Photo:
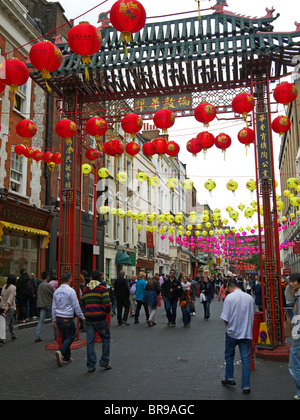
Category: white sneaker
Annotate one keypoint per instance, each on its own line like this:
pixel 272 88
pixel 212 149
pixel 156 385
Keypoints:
pixel 59 359
pixel 296 397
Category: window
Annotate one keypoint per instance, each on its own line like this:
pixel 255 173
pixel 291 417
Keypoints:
pixel 18 174
pixel 91 194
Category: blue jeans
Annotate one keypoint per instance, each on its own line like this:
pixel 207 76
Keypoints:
pixel 67 330
pixel 43 314
pixel 171 308
pixel 206 307
pixel 102 328
pixel 186 314
pixel 139 304
pixel 245 348
pixel 294 364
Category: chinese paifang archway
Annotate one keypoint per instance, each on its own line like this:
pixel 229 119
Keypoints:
pixel 219 55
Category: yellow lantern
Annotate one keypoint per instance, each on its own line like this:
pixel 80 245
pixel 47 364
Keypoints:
pixel 113 211
pixel 253 203
pixel 232 185
pixel 210 185
pixel 121 213
pixel 251 185
pixel 287 193
pixel 122 177
pixel 150 217
pixel 178 218
pixel 228 209
pixel 134 215
pixel 234 214
pixel 161 218
pixel 248 212
pixel 153 181
pixel 103 173
pixel 141 177
pixel 141 215
pixel 241 207
pixel 172 183
pixel 198 226
pixel 170 218
pixel 139 227
pixel 225 221
pixel 197 232
pixel 295 201
pixel 187 184
pixel 192 219
pixel 204 233
pixel 204 218
pixel 86 169
pixel 189 227
pixel 292 183
pixel 104 209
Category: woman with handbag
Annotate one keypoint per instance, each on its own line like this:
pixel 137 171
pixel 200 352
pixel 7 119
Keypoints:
pixel 206 296
pixel 187 300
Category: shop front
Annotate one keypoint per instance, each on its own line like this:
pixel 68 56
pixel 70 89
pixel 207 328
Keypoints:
pixel 24 238
pixel 145 265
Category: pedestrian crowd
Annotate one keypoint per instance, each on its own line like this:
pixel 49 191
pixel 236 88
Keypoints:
pixel 241 297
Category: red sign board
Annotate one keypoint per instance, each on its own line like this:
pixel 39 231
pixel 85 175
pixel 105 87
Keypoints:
pixel 296 249
pixel 150 241
pixel 287 271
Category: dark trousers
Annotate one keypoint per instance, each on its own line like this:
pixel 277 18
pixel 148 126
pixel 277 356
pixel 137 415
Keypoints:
pixel 139 304
pixel 122 302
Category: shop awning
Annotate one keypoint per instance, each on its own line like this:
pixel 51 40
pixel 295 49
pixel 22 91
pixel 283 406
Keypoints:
pixel 123 258
pixel 199 260
pixel 25 229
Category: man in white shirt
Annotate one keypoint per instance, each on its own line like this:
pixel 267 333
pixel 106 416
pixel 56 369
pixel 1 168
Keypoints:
pixel 65 307
pixel 238 314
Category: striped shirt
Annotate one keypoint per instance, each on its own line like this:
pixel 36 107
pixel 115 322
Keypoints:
pixel 95 301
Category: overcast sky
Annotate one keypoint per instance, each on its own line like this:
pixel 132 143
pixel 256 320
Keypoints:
pixel 237 165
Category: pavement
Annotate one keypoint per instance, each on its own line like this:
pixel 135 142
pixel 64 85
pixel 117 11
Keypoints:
pixel 157 363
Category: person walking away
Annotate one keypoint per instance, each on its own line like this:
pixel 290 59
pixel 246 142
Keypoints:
pixel 208 291
pixel 64 305
pixel 294 361
pixel 132 287
pixel 95 304
pixel 152 292
pixel 238 315
pixel 112 297
pixel 122 295
pixel 223 291
pixel 289 298
pixel 24 293
pixel 187 300
pixel 171 290
pixel 139 296
pixel 258 295
pixel 33 309
pixel 8 304
pixel 44 304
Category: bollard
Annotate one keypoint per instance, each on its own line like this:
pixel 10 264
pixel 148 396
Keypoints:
pixel 258 318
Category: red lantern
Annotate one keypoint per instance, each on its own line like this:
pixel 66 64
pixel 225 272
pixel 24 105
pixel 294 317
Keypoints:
pixel 47 157
pixel 205 113
pixel 56 158
pixel 132 149
pixel 149 149
pixel 92 154
pixel 161 145
pixel 172 149
pixel 223 141
pixel 285 93
pixel 45 57
pixel 28 153
pixel 96 127
pixel 113 148
pixel 20 149
pixel 281 125
pixel 15 74
pixel 194 146
pixel 164 119
pixel 246 136
pixel 66 129
pixel 243 104
pixel 128 17
pixel 85 39
pixel 37 155
pixel 132 124
pixel 26 129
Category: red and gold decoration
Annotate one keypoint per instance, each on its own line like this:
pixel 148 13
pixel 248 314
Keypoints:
pixel 172 150
pixel 92 154
pixel 281 125
pixel 26 129
pixel 132 149
pixel 96 127
pixel 246 136
pixel 207 141
pixel 113 148
pixel 285 93
pixel 194 146
pixel 205 113
pixel 66 129
pixel 16 74
pixel 132 124
pixel 223 141
pixel 85 39
pixel 37 155
pixel 47 58
pixel 161 146
pixel 164 119
pixel 127 17
pixel 20 149
pixel 243 104
pixel 149 149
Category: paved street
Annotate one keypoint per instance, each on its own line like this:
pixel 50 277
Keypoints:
pixel 157 363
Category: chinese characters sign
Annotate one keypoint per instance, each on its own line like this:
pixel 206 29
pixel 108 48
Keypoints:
pixel 68 165
pixel 156 103
pixel 263 146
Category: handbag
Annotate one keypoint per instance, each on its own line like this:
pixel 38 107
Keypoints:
pixel 202 297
